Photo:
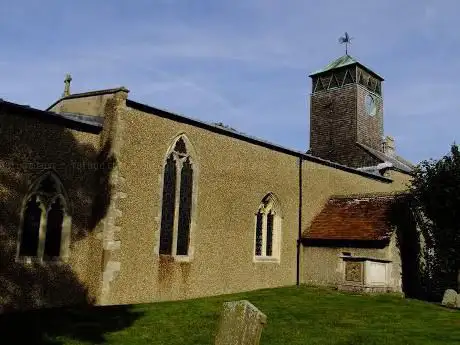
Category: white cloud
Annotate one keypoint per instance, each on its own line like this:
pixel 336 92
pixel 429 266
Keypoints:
pixel 244 63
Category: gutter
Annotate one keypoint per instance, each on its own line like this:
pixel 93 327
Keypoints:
pixel 253 140
pixel 299 236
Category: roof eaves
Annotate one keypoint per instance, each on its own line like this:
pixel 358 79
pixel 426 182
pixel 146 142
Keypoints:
pixel 74 121
pixel 238 135
pixel 397 164
pixel 336 64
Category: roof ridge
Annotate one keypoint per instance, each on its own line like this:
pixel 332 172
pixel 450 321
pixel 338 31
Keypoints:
pixel 89 93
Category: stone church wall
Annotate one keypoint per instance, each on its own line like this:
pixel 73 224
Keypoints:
pixel 89 105
pixel 29 148
pixel 115 259
pixel 232 178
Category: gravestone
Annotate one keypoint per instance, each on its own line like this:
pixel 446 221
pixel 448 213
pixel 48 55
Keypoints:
pixel 457 301
pixel 240 323
pixel 450 298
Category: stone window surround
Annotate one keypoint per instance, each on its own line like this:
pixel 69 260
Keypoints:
pixel 273 205
pixel 191 155
pixel 66 223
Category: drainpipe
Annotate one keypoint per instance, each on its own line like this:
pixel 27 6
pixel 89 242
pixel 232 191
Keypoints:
pixel 300 222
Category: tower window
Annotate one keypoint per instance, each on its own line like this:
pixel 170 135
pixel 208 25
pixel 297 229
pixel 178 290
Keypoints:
pixel 371 107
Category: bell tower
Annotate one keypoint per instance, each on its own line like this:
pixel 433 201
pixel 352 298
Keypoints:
pixel 346 109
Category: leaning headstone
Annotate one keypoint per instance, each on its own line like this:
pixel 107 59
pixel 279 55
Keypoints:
pixel 240 324
pixel 450 298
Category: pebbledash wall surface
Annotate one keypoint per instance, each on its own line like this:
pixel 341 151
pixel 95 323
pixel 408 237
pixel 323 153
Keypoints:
pixel 107 156
pixel 115 259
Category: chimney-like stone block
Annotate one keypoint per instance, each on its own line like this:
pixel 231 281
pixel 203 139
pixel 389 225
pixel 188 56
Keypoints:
pixel 389 146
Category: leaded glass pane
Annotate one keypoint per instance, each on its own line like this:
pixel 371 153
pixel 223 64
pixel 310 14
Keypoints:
pixel 54 222
pixel 269 234
pixel 259 234
pixel 167 212
pixel 185 206
pixel 180 146
pixel 30 228
pixel 48 185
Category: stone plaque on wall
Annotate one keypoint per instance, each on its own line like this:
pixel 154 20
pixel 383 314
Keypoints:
pixel 353 271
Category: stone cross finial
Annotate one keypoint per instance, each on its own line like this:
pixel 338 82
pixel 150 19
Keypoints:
pixel 67 81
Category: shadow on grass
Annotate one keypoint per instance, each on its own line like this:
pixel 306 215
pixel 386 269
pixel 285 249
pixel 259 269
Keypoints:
pixel 56 326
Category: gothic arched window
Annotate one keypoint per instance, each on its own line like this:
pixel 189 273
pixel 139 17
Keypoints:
pixel 177 201
pixel 268 229
pixel 45 224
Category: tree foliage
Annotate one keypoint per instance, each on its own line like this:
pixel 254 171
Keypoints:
pixel 436 192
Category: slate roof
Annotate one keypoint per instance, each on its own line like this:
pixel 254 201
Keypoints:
pixel 81 122
pixel 354 218
pixel 398 162
pixel 239 135
pixel 345 60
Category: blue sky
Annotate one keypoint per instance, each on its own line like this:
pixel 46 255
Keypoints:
pixel 243 62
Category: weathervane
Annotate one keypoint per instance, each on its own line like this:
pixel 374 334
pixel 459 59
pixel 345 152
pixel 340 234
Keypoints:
pixel 346 39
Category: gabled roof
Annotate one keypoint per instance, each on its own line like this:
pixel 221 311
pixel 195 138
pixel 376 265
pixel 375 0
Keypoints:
pixel 353 218
pixel 398 162
pixel 345 60
pixel 90 94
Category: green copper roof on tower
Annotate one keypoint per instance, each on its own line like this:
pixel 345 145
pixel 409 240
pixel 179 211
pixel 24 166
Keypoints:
pixel 337 63
pixel 343 61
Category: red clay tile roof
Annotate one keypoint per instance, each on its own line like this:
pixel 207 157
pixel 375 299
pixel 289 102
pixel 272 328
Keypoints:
pixel 353 218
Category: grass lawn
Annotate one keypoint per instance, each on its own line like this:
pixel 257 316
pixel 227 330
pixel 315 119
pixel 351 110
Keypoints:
pixel 296 315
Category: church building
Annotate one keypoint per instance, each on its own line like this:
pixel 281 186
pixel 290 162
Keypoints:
pixel 107 200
